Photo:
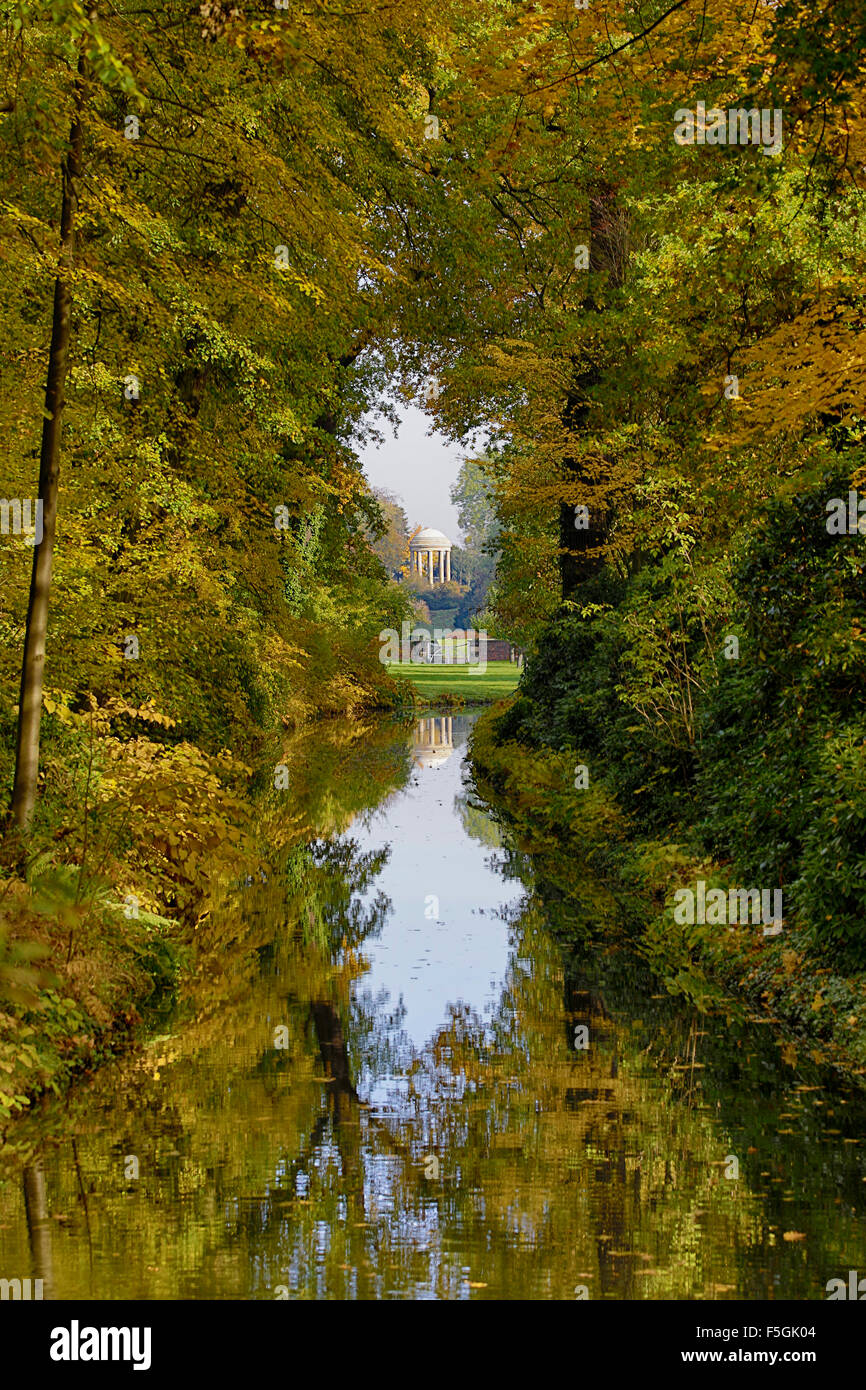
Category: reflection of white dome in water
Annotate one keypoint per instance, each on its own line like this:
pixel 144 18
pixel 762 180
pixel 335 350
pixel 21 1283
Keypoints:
pixel 432 757
pixel 433 741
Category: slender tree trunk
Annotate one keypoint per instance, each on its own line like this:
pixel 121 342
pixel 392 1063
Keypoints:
pixel 579 549
pixel 33 662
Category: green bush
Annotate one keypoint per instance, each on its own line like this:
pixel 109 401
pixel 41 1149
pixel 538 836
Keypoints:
pixel 762 758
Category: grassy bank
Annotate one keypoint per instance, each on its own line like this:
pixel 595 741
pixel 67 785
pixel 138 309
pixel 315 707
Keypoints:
pixel 602 882
pixel 468 684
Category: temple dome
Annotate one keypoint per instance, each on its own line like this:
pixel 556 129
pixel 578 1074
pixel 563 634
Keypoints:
pixel 429 539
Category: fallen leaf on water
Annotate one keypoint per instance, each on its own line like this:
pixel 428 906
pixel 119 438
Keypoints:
pixel 793 1235
pixel 476 1286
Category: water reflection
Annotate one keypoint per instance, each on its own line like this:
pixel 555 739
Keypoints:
pixel 444 940
pixel 38 1225
pixel 433 741
pixel 364 1093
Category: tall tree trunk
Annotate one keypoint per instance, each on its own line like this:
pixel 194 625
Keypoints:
pixel 33 662
pixel 579 549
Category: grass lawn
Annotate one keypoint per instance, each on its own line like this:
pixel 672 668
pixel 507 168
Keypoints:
pixel 469 682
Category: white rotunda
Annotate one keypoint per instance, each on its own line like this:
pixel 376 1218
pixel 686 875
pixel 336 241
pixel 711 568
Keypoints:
pixel 429 551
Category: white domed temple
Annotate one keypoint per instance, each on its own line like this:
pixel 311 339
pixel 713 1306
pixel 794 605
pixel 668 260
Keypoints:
pixel 430 551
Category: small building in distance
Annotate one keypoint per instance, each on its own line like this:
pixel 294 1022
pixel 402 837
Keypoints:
pixel 497 650
pixel 429 552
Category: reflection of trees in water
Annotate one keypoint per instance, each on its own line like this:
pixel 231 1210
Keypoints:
pixel 39 1224
pixel 477 822
pixel 336 889
pixel 380 1044
pixel 481 824
pixel 707 1086
pixel 545 1158
pixel 263 1166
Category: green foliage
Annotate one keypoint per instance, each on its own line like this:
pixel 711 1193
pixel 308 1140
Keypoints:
pixel 277 238
pixel 586 689
pixel 761 759
pixel 390 534
pixel 783 744
pixel 474 562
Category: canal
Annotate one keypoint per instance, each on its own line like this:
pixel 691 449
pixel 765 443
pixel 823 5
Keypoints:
pixel 386 1078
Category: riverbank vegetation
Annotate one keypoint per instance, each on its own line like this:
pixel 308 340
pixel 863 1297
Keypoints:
pixel 692 706
pixel 681 409
pixel 605 886
pixel 188 259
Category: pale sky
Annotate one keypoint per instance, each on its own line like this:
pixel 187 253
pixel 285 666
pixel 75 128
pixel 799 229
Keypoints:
pixel 419 467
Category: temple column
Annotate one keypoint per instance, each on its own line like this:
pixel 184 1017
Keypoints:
pixel 430 565
pixel 448 566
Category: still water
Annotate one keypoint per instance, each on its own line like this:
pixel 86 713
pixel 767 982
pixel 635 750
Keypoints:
pixel 387 1079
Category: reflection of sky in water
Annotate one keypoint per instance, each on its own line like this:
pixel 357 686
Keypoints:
pixel 500 1163
pixel 460 955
